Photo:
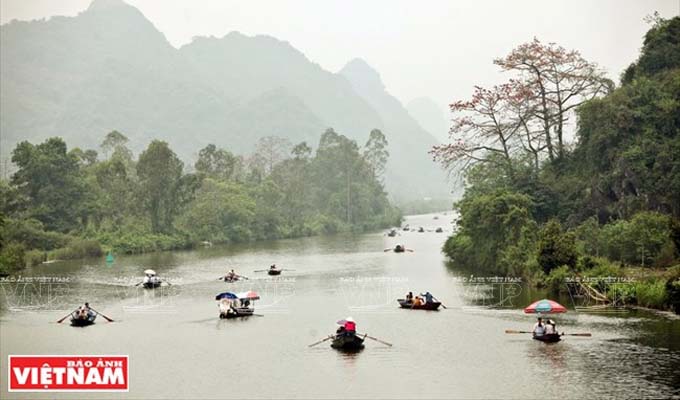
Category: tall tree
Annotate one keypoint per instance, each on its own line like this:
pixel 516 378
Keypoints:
pixel 272 149
pixel 376 153
pixel 160 172
pixel 560 81
pixel 115 142
pixel 216 163
pixel 50 178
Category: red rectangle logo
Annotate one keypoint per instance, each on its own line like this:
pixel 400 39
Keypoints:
pixel 68 373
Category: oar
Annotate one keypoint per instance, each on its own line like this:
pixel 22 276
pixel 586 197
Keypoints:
pixel 67 315
pixel 139 283
pixel 577 334
pixel 378 340
pixel 321 341
pixel 105 317
pixel 411 250
pixel 514 331
pixel 261 270
pixel 285 269
pixel 386 250
pixel 169 284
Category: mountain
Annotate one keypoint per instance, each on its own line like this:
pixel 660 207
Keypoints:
pixel 430 116
pixel 410 139
pixel 109 68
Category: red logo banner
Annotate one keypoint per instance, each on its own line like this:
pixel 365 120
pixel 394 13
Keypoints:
pixel 68 373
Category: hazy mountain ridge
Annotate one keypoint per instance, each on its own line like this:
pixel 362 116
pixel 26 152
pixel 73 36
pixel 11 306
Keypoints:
pixel 110 68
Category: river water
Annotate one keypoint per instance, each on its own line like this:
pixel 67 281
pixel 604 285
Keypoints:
pixel 178 347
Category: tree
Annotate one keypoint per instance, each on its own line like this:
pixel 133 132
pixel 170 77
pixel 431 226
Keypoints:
pixel 272 149
pixel 483 132
pixel 160 171
pixel 376 153
pixel 560 80
pixel 115 141
pixel 216 163
pixel 556 248
pixel 49 177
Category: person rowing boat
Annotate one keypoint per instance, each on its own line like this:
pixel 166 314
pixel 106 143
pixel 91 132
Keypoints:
pixel 231 276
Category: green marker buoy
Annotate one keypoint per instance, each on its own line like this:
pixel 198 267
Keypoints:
pixel 109 258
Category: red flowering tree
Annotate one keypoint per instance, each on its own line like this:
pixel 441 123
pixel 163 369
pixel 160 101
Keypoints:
pixel 559 80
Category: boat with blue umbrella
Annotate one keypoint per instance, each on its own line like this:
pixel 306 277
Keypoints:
pixel 236 305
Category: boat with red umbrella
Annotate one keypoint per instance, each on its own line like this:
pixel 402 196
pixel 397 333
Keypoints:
pixel 546 306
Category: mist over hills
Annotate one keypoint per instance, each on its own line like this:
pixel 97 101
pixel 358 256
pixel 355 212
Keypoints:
pixel 110 68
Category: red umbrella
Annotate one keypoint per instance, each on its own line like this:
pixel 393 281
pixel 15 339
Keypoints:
pixel 545 306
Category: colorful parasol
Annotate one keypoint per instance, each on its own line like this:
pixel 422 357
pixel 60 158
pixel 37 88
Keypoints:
pixel 545 306
pixel 250 295
pixel 226 295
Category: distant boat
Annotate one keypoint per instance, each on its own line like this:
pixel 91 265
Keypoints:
pixel 433 306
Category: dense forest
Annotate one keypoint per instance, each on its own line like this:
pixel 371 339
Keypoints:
pixel 75 203
pixel 546 204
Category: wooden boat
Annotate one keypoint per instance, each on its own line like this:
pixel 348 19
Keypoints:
pixel 85 320
pixel 549 338
pixel 439 230
pixel 392 233
pixel 433 306
pixel 274 271
pixel 151 284
pixel 151 280
pixel 230 279
pixel 348 342
pixel 399 249
pixel 421 229
pixel 238 312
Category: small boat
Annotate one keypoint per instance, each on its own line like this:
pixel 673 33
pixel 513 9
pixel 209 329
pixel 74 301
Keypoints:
pixel 439 230
pixel 151 280
pixel 78 319
pixel 399 248
pixel 433 306
pixel 407 228
pixel 549 338
pixel 237 312
pixel 421 229
pixel 348 342
pixel 236 305
pixel 392 233
pixel 229 279
pixel 274 271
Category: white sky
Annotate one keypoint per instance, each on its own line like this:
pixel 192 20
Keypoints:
pixel 438 49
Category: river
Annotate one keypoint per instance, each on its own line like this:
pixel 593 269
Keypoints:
pixel 178 347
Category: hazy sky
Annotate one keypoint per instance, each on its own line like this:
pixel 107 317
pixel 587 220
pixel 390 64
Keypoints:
pixel 438 49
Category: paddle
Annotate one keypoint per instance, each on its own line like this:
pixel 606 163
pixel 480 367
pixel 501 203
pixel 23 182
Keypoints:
pixel 139 283
pixel 411 250
pixel 285 269
pixel 261 270
pixel 321 341
pixel 169 284
pixel 386 250
pixel 98 313
pixel 378 340
pixel 67 315
pixel 514 331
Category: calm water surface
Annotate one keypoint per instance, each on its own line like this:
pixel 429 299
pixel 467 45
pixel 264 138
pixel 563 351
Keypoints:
pixel 178 347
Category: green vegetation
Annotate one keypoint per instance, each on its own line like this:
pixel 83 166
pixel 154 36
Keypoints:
pixel 608 205
pixel 63 204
